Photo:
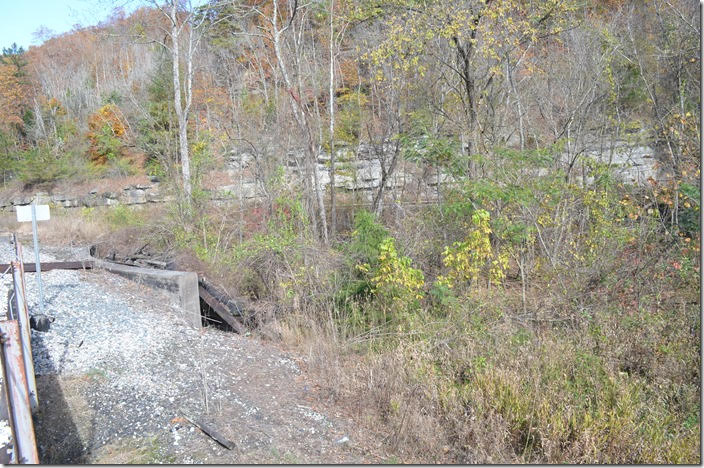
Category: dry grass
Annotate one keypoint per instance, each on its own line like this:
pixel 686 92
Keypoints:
pixel 599 374
pixel 64 422
pixel 475 388
pixel 62 229
pixel 128 452
pixel 82 226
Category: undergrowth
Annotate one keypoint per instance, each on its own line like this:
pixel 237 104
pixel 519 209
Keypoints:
pixel 524 319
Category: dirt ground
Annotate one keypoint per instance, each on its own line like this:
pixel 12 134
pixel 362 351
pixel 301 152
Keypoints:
pixel 128 406
pixel 273 416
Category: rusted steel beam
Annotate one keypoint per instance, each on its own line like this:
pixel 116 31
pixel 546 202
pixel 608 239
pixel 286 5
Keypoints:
pixel 22 314
pixel 45 266
pixel 7 444
pixel 18 247
pixel 18 394
pixel 222 311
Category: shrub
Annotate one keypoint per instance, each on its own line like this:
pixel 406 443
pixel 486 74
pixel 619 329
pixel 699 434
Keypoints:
pixel 363 248
pixel 465 260
pixel 124 216
pixel 397 288
pixel 106 134
pixel 366 238
pixel 45 164
pixel 393 276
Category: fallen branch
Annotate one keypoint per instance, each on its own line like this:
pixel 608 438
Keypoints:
pixel 210 432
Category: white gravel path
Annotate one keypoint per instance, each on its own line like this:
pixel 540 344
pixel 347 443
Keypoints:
pixel 123 351
pixel 93 327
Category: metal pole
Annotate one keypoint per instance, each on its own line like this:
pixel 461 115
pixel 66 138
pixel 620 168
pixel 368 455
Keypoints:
pixel 17 394
pixel 25 334
pixel 36 255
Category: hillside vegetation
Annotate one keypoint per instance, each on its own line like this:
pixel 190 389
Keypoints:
pixel 541 309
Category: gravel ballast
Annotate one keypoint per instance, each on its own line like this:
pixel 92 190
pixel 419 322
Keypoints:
pixel 118 368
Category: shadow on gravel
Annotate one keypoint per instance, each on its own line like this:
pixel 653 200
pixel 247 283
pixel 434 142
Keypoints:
pixel 57 290
pixel 58 437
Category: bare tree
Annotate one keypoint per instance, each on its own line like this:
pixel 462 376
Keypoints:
pixel 183 21
pixel 300 109
pixel 186 23
pixel 331 103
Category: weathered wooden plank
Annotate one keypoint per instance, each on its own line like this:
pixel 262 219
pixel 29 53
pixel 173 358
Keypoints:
pixel 222 311
pixel 45 266
pixel 210 432
pixel 235 305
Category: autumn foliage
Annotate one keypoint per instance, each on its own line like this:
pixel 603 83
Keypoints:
pixel 14 93
pixel 106 134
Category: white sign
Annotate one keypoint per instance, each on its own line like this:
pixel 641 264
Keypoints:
pixel 24 213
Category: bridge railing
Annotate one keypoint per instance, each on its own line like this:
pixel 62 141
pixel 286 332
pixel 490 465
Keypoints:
pixel 18 389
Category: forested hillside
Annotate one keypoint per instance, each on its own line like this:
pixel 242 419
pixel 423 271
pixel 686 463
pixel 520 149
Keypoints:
pixel 538 308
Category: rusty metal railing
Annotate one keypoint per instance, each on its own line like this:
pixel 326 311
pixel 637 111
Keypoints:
pixel 18 392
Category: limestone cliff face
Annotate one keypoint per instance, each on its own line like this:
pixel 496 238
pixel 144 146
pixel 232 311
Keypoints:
pixel 358 169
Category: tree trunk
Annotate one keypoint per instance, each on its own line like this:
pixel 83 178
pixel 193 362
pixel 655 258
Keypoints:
pixel 377 204
pixel 464 53
pixel 333 212
pixel 299 113
pixel 181 113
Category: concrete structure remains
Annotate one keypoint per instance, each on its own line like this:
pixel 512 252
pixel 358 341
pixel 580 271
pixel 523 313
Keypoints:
pixel 183 285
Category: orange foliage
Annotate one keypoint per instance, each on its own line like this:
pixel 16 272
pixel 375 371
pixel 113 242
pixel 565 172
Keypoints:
pixel 52 106
pixel 106 120
pixel 349 73
pixel 13 97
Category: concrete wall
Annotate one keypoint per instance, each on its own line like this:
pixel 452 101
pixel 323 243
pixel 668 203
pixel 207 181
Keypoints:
pixel 182 285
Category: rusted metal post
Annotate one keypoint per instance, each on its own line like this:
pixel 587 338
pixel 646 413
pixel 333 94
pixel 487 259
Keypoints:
pixel 18 247
pixel 7 443
pixel 25 334
pixel 17 393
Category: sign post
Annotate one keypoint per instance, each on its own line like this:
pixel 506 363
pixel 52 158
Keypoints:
pixel 36 256
pixel 35 213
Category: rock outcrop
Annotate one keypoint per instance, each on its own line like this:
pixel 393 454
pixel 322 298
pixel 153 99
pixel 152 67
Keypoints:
pixel 358 169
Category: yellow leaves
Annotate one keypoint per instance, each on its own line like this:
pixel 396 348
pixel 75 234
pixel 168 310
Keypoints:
pixel 199 147
pixel 394 276
pixel 465 260
pixel 53 106
pixel 109 115
pixel 544 220
pixel 497 271
pixel 107 121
